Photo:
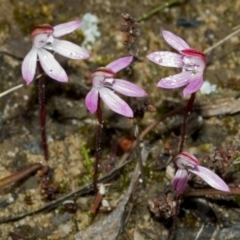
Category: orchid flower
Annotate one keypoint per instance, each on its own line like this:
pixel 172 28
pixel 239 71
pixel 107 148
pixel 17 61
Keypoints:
pixel 45 37
pixel 104 86
pixel 186 164
pixel 192 62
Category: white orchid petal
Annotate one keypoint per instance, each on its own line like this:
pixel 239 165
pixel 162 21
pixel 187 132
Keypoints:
pixel 167 59
pixel 119 64
pixel 91 100
pixel 175 81
pixel 173 40
pixel 29 65
pixel 180 180
pixel 114 102
pixel 127 88
pixel 65 28
pixel 69 49
pixel 210 178
pixel 51 67
pixel 194 84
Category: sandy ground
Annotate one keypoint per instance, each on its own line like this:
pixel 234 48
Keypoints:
pixel 71 128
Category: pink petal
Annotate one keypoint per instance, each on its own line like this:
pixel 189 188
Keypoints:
pixel 115 103
pixel 127 88
pixel 65 28
pixel 180 180
pixel 69 49
pixel 210 178
pixel 175 81
pixel 167 59
pixel 29 65
pixel 119 64
pixel 175 41
pixel 91 100
pixel 51 67
pixel 194 85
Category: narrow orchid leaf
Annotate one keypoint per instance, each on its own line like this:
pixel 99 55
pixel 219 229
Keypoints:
pixel 167 59
pixel 115 103
pixel 210 178
pixel 69 50
pixel 173 40
pixel 51 67
pixel 120 64
pixel 65 28
pixel 127 88
pixel 91 100
pixel 29 65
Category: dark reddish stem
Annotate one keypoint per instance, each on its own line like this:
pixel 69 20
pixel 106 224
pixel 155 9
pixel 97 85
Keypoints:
pixel 98 144
pixel 41 99
pixel 179 198
pixel 97 202
pixel 187 110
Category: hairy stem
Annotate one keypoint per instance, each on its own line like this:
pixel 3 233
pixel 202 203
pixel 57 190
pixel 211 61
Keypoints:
pixel 179 198
pixel 98 145
pixel 41 99
pixel 187 110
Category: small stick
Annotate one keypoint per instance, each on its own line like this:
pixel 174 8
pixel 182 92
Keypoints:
pixel 10 90
pixel 222 41
pixel 14 177
pixel 204 192
pixel 157 9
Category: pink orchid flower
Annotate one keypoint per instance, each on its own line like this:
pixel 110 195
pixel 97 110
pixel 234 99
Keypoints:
pixel 186 164
pixel 104 86
pixel 192 62
pixel 45 37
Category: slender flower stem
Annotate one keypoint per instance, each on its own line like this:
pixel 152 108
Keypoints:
pixel 187 110
pixel 175 218
pixel 179 197
pixel 41 99
pixel 98 145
